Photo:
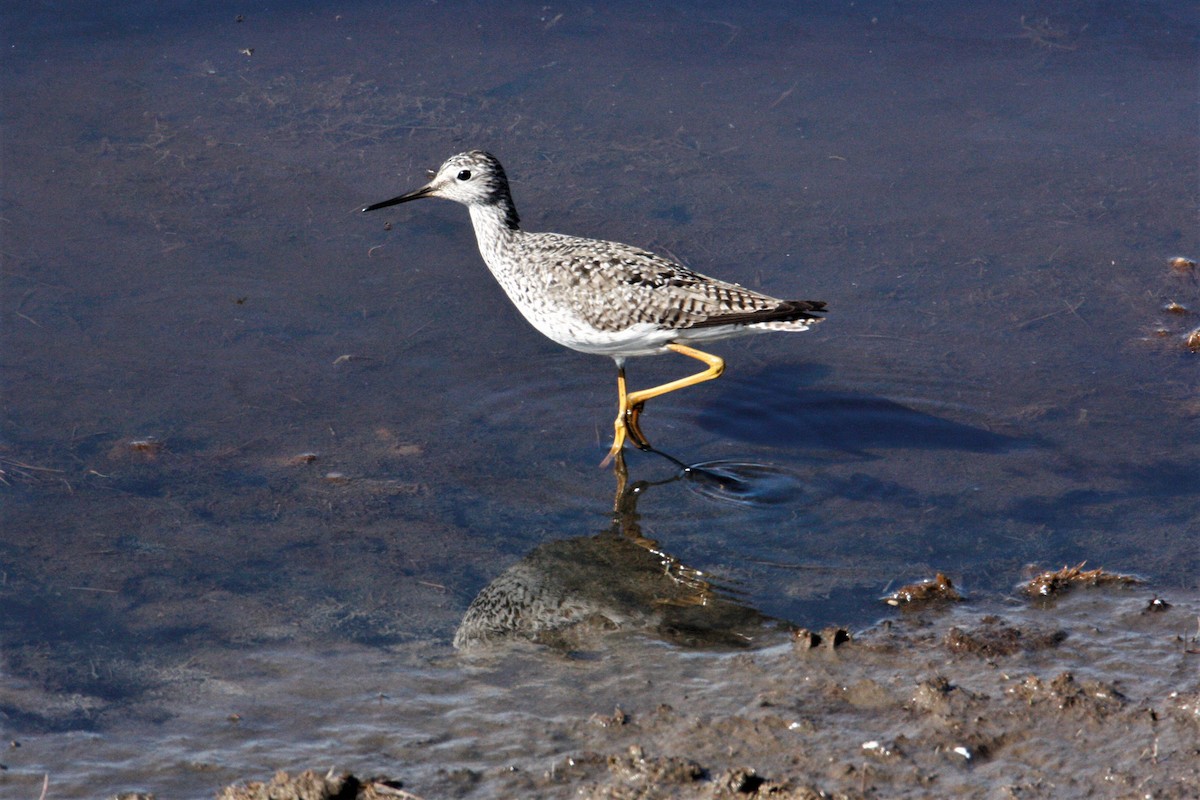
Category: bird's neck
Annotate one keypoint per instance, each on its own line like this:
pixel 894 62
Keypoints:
pixel 495 228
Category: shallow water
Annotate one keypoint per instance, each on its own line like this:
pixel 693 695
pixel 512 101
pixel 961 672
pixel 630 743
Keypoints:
pixel 261 451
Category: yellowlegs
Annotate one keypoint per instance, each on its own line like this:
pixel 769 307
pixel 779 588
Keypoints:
pixel 604 297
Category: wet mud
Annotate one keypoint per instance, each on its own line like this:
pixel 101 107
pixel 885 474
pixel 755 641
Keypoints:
pixel 1037 701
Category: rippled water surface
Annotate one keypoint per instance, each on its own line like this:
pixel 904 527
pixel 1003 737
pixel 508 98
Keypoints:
pixel 261 452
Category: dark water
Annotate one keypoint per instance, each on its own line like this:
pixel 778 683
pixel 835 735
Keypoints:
pixel 192 304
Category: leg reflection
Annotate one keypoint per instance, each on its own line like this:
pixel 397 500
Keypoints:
pixel 569 594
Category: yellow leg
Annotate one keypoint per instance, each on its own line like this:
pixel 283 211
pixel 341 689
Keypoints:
pixel 619 425
pixel 630 404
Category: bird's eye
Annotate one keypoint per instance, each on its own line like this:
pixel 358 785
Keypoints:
pixel 465 175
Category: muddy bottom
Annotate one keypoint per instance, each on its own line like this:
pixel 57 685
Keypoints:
pixel 1029 702
pixel 1091 694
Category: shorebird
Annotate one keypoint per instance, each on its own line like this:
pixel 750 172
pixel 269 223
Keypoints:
pixel 605 297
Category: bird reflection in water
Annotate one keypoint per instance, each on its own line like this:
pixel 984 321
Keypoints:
pixel 568 594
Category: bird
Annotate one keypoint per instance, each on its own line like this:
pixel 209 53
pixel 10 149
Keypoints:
pixel 604 297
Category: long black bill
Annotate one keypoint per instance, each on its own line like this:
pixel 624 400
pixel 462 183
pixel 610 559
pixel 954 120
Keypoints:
pixel 424 191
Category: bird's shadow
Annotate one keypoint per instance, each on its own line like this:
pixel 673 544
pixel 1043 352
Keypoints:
pixel 779 407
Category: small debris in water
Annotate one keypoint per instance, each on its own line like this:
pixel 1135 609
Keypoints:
pixel 739 781
pixel 146 448
pixel 616 719
pixel 1092 697
pixel 1181 264
pixel 397 445
pixel 1059 581
pixel 804 639
pixel 939 589
pixel 635 765
pixel 1192 341
pixel 1156 605
pixel 995 638
pixel 309 785
pixel 887 751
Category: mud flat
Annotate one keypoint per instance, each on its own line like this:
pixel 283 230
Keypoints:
pixel 1095 693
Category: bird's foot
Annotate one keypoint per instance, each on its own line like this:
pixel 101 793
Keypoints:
pixel 618 442
pixel 635 429
pixel 627 425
